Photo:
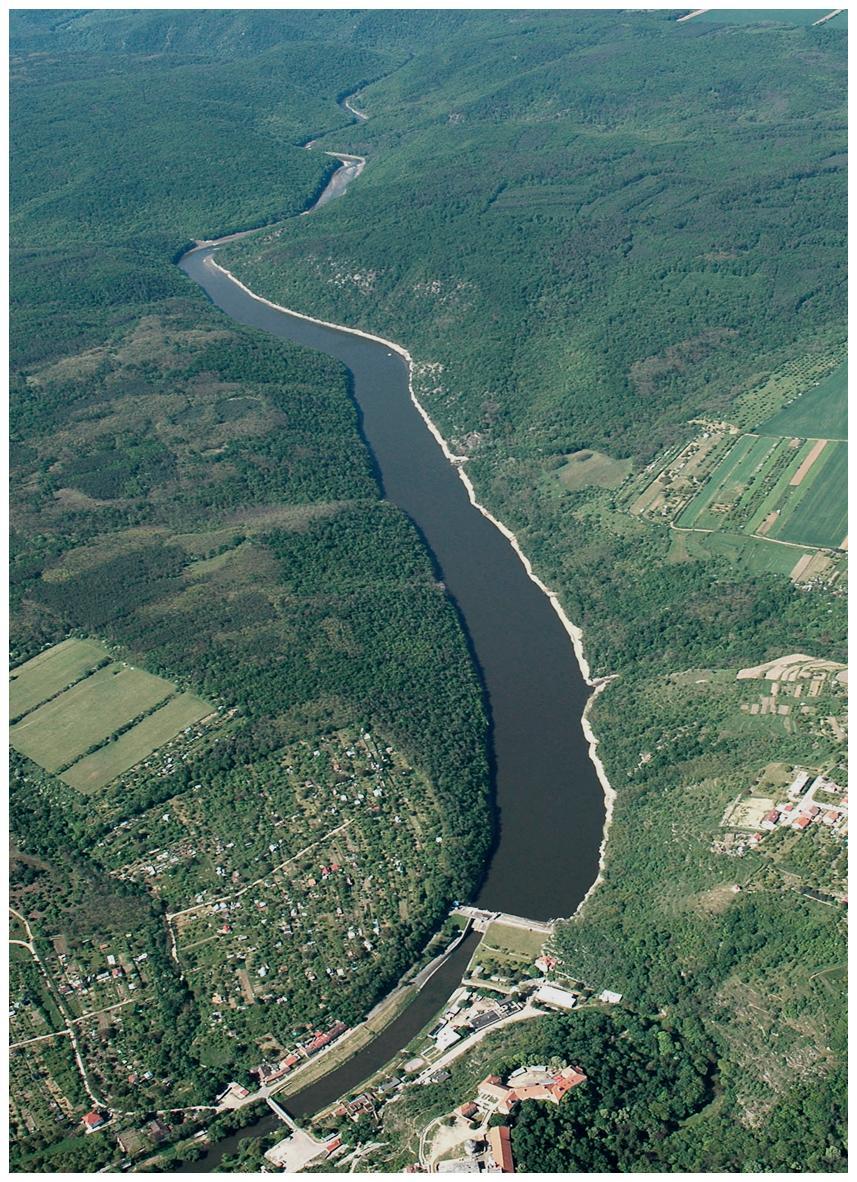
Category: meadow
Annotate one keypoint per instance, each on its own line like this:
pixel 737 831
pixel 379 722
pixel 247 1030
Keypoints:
pixel 819 413
pixel 51 671
pixel 63 729
pixel 103 766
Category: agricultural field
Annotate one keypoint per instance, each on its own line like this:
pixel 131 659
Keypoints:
pixel 716 505
pixel 818 515
pixel 819 413
pixel 51 672
pixel 760 487
pixel 104 765
pixel 72 700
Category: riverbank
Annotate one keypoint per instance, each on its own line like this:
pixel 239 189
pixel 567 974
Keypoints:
pixel 574 633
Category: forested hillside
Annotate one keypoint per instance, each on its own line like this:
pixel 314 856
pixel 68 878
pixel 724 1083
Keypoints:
pixel 600 235
pixel 198 497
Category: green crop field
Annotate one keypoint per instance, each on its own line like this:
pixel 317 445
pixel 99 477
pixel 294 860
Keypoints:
pixel 816 514
pixel 54 734
pixel 727 482
pixel 95 770
pixel 51 671
pixel 820 413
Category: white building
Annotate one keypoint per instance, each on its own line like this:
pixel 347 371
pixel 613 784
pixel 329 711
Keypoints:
pixel 552 995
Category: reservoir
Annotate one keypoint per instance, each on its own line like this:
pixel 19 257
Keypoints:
pixel 549 803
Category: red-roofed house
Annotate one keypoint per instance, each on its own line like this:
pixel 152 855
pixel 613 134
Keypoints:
pixel 564 1081
pixel 801 822
pixel 93 1121
pixel 500 1144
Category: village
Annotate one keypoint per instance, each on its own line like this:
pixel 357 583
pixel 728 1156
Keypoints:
pixel 284 925
pixel 810 799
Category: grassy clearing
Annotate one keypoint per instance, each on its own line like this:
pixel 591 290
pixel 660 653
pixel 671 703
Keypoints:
pixel 820 413
pixel 593 469
pixel 817 512
pixel 51 671
pixel 64 728
pixel 751 554
pixel 514 939
pixel 95 770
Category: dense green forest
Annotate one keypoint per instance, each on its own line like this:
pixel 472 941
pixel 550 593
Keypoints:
pixel 596 230
pixel 199 497
pixel 589 229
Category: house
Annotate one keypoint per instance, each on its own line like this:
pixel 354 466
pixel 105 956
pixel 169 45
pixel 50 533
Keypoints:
pixel 799 785
pixel 564 1081
pixel 492 1089
pixel 93 1121
pixel 801 823
pixel 610 997
pixel 157 1130
pixel 500 1144
pixel 770 819
pixel 447 1037
pixel 469 1109
pixel 546 964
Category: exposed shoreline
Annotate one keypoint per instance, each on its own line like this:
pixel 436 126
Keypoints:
pixel 574 632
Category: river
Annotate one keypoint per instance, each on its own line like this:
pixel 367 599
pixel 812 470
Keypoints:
pixel 549 803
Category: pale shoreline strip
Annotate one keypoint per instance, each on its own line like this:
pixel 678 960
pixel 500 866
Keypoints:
pixel 457 462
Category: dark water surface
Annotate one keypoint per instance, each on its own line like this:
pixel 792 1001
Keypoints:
pixel 549 802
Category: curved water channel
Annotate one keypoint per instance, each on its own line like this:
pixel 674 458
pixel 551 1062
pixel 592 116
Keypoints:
pixel 550 809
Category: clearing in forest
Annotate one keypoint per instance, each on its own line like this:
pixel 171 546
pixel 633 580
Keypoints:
pixel 72 703
pixel 51 671
pixel 593 469
pixel 95 770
